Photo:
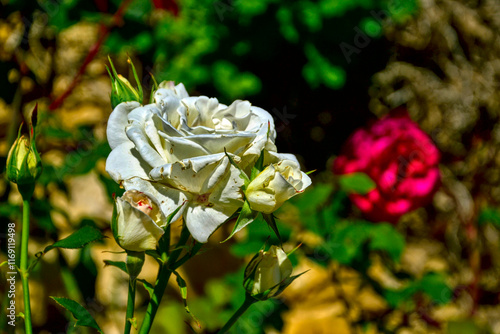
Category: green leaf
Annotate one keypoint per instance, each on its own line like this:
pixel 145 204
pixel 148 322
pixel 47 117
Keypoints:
pixel 396 297
pixel 82 316
pixel 78 239
pixel 118 264
pixel 358 183
pixel 183 287
pixel 246 216
pixel 384 237
pixel 489 215
pixel 310 203
pixel 434 285
pixel 232 82
pixel 148 286
pixel 346 241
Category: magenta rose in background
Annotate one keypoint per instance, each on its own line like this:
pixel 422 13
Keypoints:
pixel 400 158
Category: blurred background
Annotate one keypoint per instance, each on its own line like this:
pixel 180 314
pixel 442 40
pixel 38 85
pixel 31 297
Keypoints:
pixel 322 69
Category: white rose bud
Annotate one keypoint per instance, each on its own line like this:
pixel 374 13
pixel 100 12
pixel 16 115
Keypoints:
pixel 136 222
pixel 268 273
pixel 276 184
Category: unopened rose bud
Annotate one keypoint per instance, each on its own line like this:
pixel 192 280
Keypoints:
pixel 23 162
pixel 24 165
pixel 268 273
pixel 121 89
pixel 136 222
pixel 276 184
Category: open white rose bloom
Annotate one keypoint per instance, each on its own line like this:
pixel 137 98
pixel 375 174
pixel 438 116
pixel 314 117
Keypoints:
pixel 173 150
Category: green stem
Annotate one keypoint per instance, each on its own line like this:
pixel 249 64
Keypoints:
pixel 25 232
pixel 186 257
pixel 130 305
pixel 249 300
pixel 162 282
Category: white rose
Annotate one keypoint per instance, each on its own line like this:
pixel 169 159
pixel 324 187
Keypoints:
pixel 174 151
pixel 267 271
pixel 276 184
pixel 137 222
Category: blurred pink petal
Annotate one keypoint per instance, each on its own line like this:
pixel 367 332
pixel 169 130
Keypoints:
pixel 400 158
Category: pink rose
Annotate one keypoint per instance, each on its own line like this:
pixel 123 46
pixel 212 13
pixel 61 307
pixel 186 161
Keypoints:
pixel 400 158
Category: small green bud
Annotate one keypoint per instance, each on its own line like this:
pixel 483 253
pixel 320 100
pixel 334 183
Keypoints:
pixel 121 89
pixel 268 273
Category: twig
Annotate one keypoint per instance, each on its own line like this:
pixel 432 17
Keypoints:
pixel 104 32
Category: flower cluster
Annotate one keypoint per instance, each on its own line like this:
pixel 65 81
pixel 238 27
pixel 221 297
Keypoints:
pixel 401 159
pixel 187 154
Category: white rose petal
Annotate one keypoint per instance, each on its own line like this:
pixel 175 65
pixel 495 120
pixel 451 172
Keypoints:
pixel 118 121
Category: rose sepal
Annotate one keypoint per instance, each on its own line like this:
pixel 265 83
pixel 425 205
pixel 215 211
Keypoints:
pixel 135 261
pixel 121 89
pixel 246 216
pixel 271 222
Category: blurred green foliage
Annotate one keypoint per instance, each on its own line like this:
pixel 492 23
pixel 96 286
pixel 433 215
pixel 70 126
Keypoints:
pixel 432 284
pixel 215 41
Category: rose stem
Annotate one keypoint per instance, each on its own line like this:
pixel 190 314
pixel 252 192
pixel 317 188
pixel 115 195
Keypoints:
pixel 130 304
pixel 25 232
pixel 161 282
pixel 249 300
